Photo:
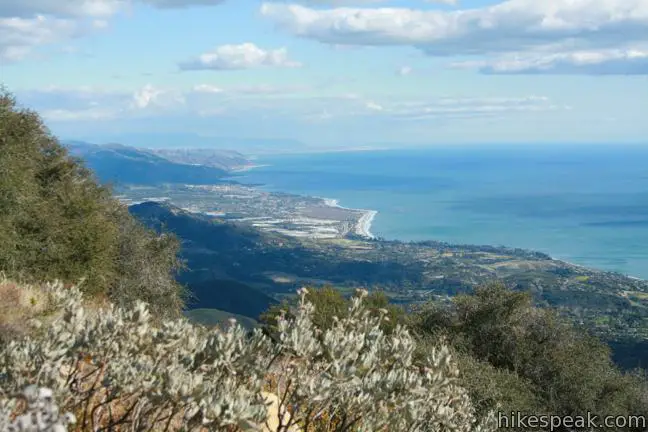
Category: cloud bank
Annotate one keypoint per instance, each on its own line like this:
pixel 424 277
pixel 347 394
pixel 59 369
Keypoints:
pixel 529 28
pixel 59 104
pixel 603 62
pixel 27 24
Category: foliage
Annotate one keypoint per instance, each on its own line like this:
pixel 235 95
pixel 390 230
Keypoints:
pixel 330 303
pixel 41 413
pixel 114 368
pixel 530 352
pixel 57 222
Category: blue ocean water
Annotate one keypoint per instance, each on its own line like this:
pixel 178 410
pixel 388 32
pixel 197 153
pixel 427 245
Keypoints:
pixel 584 204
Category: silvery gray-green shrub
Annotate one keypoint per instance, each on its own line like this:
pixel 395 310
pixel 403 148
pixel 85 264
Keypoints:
pixel 41 413
pixel 112 368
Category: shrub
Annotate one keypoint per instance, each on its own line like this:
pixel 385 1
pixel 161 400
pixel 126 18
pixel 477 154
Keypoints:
pixel 112 367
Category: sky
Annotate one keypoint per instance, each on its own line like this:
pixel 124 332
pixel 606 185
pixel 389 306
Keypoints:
pixel 343 73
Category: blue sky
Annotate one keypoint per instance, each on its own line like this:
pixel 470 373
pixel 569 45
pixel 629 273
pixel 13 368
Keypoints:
pixel 333 72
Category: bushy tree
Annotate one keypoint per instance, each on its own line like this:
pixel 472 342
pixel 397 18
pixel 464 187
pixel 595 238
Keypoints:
pixel 113 368
pixel 532 352
pixel 56 221
pixel 330 302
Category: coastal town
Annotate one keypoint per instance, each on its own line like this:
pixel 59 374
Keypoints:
pixel 288 214
pixel 413 272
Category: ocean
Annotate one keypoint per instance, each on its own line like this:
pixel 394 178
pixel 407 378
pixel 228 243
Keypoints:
pixel 583 204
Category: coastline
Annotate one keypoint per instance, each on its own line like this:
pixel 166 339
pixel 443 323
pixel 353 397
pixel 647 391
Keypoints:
pixel 363 225
pixel 245 168
pixel 363 228
pixel 591 268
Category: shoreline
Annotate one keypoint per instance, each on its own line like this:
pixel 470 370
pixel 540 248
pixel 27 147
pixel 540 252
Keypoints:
pixel 245 168
pixel 363 225
pixel 363 228
pixel 588 268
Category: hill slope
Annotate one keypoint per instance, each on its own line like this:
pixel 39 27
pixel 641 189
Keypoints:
pixel 613 306
pixel 120 164
pixel 224 159
pixel 206 243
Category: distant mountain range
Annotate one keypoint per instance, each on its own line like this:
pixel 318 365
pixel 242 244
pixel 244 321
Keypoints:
pixel 120 164
pixel 248 146
pixel 227 160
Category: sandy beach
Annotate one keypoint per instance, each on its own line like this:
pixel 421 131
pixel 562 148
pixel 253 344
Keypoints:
pixel 363 226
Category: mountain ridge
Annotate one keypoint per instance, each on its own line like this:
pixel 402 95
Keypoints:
pixel 121 164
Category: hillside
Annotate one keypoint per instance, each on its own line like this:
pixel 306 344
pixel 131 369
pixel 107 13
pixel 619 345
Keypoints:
pixel 118 164
pixel 57 222
pixel 227 160
pixel 613 306
pixel 256 146
pixel 206 242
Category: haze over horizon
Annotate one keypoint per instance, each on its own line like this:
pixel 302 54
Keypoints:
pixel 337 73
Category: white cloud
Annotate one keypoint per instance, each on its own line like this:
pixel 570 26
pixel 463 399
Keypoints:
pixel 337 3
pixel 60 8
pixel 526 26
pixel 19 35
pixel 75 104
pixel 253 90
pixel 404 71
pixel 602 62
pixel 446 2
pixel 243 56
pixel 153 97
pixel 173 4
pixel 207 88
pixel 27 24
pixel 63 115
pixel 371 105
pixel 506 26
pixel 87 8
pixel 439 108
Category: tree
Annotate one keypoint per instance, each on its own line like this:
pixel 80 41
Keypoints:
pixel 57 222
pixel 330 302
pixel 552 366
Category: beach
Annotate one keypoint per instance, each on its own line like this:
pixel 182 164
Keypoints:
pixel 363 226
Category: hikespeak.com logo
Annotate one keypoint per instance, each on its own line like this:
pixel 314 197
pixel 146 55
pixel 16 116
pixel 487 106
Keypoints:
pixel 586 422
